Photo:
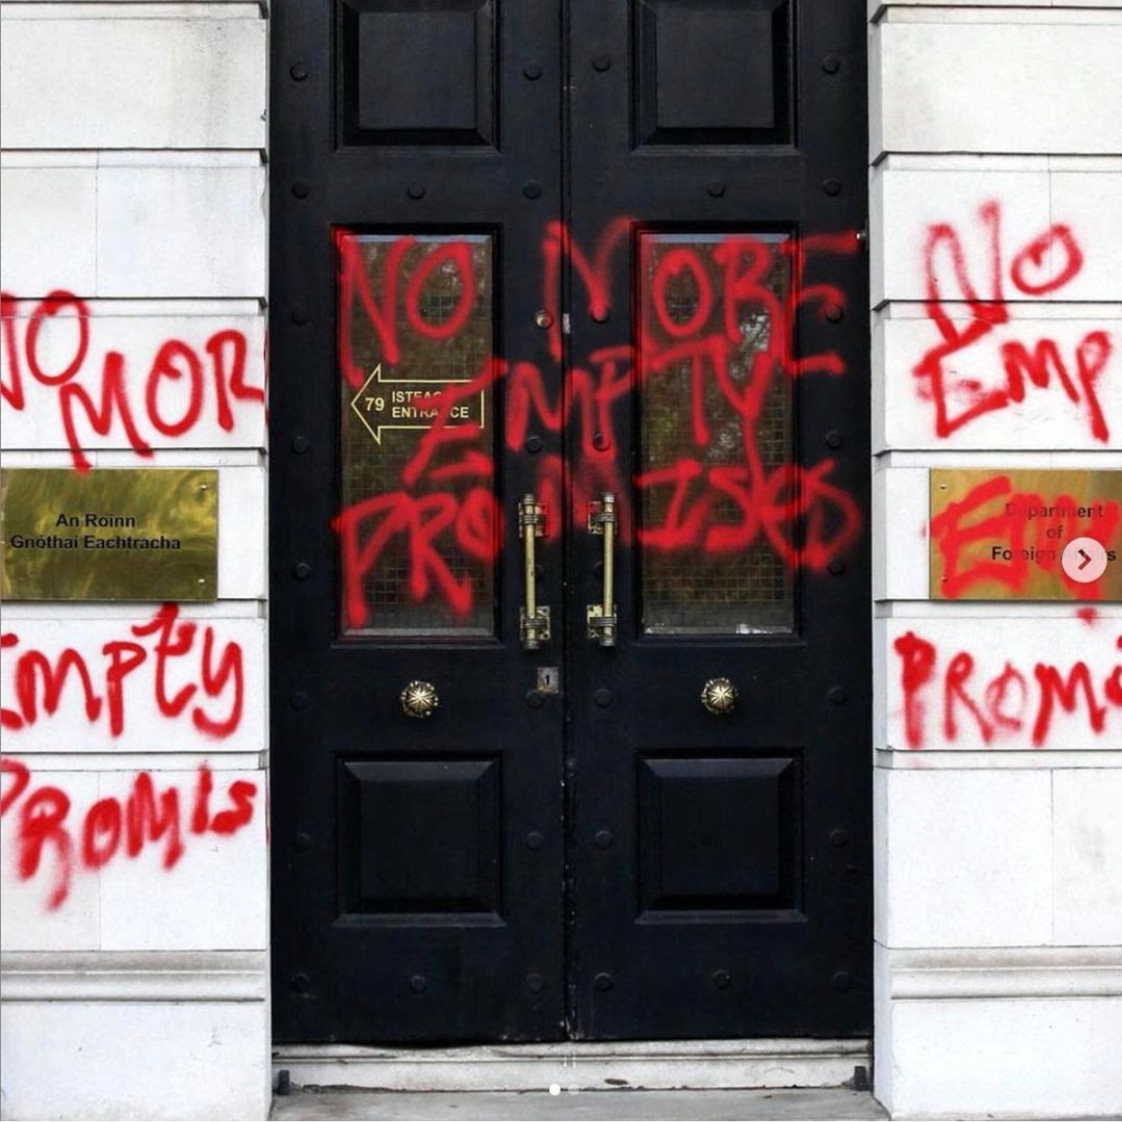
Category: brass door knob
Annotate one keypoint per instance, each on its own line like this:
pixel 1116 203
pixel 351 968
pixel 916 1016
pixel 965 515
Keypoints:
pixel 419 699
pixel 718 695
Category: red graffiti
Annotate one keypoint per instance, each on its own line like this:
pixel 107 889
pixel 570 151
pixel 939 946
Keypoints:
pixel 445 499
pixel 1013 701
pixel 560 248
pixel 1040 268
pixel 111 827
pixel 213 696
pixel 218 376
pixel 1020 533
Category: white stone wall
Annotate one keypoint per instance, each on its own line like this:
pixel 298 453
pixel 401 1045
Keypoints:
pixel 133 193
pixel 999 850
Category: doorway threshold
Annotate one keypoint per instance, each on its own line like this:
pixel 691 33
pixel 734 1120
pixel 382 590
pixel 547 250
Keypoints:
pixel 581 1066
pixel 825 1104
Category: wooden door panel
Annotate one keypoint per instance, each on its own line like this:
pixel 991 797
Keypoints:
pixel 712 73
pixel 415 165
pixel 414 75
pixel 630 261
pixel 721 864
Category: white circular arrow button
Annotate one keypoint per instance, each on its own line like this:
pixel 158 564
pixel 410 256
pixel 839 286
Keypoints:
pixel 1084 559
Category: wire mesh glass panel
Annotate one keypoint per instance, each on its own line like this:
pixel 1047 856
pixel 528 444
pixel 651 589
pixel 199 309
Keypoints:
pixel 419 528
pixel 716 433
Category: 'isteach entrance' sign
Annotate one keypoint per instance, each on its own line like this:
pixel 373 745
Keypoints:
pixel 1026 535
pixel 390 404
pixel 135 534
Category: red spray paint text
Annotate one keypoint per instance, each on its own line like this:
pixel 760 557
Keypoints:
pixel 1010 703
pixel 112 827
pixel 212 699
pixel 1041 267
pixel 805 518
pixel 222 367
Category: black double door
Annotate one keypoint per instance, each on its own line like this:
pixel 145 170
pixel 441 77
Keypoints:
pixel 569 612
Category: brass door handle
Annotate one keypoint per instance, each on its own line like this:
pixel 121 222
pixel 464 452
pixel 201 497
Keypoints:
pixel 602 519
pixel 533 619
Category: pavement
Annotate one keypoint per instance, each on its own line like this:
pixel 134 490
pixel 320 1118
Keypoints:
pixel 314 1105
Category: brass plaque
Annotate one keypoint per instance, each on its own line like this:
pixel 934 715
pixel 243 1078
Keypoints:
pixel 1026 535
pixel 128 534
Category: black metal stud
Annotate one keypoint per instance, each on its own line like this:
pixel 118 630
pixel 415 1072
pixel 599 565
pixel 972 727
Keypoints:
pixel 301 190
pixel 418 983
pixel 601 316
pixel 302 842
pixel 603 982
pixel 832 186
pixel 837 695
pixel 535 983
pixel 603 839
pixel 839 838
pixel 532 71
pixel 831 64
pixel 836 567
pixel 299 71
pixel 415 191
pixel 300 445
pixel 534 443
pixel 535 699
pixel 601 63
pixel 602 697
pixel 301 983
pixel 534 840
pixel 532 189
pixel 834 439
pixel 842 980
pixel 835 313
pixel 298 316
pixel 716 189
pixel 301 570
pixel 600 442
pixel 721 979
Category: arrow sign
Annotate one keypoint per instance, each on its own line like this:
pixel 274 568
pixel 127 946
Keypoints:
pixel 385 404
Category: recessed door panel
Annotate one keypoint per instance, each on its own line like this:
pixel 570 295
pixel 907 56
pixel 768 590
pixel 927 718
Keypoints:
pixel 712 72
pixel 417 74
pixel 420 838
pixel 719 834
